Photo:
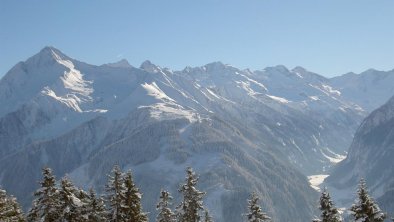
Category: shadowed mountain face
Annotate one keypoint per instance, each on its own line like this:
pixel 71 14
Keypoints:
pixel 371 157
pixel 242 131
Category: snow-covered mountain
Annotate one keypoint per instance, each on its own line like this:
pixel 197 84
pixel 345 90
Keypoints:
pixel 241 130
pixel 371 157
pixel 369 89
pixel 278 103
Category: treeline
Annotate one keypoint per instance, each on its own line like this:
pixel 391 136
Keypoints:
pixel 122 203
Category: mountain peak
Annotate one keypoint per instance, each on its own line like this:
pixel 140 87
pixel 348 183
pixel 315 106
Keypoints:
pixel 51 51
pixel 281 68
pixel 277 68
pixel 299 69
pixel 47 55
pixel 347 75
pixel 49 48
pixel 371 70
pixel 215 65
pixel 120 64
pixel 304 73
pixel 149 66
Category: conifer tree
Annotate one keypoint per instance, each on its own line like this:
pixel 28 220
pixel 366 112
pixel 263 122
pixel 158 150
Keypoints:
pixel 46 205
pixel 71 205
pixel 329 212
pixel 255 213
pixel 115 195
pixel 163 206
pixel 95 208
pixel 9 208
pixel 366 209
pixel 84 200
pixel 190 207
pixel 207 217
pixel 132 203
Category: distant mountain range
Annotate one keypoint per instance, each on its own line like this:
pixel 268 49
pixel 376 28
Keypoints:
pixel 241 130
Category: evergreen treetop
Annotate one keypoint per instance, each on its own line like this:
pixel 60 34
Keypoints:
pixel 132 203
pixel 163 206
pixel 329 213
pixel 71 201
pixel 192 204
pixel 115 194
pixel 365 209
pixel 46 206
pixel 255 213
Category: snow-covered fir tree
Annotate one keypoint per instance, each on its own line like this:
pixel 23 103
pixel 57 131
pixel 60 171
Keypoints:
pixel 163 206
pixel 365 209
pixel 329 213
pixel 207 216
pixel 255 213
pixel 47 203
pixel 9 208
pixel 95 209
pixel 115 195
pixel 71 206
pixel 84 201
pixel 131 206
pixel 192 204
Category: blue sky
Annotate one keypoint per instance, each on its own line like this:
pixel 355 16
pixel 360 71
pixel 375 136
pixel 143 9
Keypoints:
pixel 330 37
